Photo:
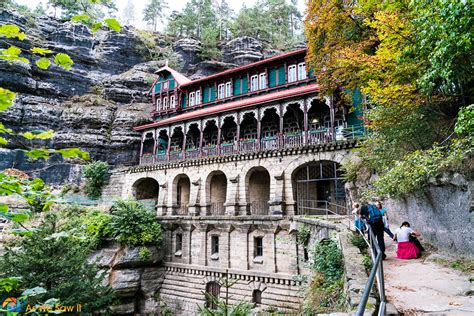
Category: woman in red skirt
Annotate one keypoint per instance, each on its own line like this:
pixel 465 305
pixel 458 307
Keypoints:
pixel 406 249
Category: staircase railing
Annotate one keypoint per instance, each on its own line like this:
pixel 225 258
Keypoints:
pixel 376 273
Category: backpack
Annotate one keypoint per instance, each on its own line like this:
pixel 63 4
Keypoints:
pixel 375 216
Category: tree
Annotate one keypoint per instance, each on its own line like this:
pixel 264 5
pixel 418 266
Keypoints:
pixel 154 12
pixel 412 61
pixel 93 8
pixel 209 40
pixel 55 262
pixel 129 13
pixel 224 15
pixel 96 174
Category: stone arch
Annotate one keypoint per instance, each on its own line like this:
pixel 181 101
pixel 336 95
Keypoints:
pixel 213 289
pixel 145 189
pixel 257 184
pixel 216 192
pixel 318 186
pixel 181 193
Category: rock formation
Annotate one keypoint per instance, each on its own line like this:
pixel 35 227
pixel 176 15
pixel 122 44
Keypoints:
pixel 94 105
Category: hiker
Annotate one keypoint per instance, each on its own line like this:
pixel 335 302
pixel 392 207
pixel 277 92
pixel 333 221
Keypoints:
pixel 407 247
pixel 386 227
pixel 358 222
pixel 374 219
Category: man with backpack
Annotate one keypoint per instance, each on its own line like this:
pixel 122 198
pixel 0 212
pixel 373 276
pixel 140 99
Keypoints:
pixel 374 218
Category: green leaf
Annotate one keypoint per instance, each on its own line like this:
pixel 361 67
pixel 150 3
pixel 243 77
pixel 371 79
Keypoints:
pixel 12 54
pixel 6 98
pixel 8 284
pixel 113 24
pixel 73 152
pixel 78 18
pixel 38 153
pixel 43 63
pixel 3 141
pixel 11 31
pixel 22 232
pixel 41 51
pixel 38 135
pixel 63 60
pixel 19 217
pixel 96 26
pixel 4 130
pixel 34 291
pixel 3 208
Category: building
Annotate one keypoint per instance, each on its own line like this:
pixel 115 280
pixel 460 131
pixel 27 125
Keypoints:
pixel 229 160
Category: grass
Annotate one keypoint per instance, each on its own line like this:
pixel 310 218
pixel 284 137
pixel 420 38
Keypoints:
pixel 461 264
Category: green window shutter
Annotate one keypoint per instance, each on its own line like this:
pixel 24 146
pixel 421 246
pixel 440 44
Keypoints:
pixel 205 95
pixel 311 73
pixel 183 101
pixel 237 84
pixel 245 85
pixel 212 92
pixel 272 78
pixel 157 87
pixel 171 86
pixel 281 75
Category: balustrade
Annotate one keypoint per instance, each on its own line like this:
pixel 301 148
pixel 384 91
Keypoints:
pixel 269 143
pixel 217 208
pixel 248 145
pixel 147 159
pixel 259 207
pixel 182 209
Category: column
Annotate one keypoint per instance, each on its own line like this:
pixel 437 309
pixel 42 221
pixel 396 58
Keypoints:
pixel 276 194
pixel 202 231
pixel 259 124
pixel 200 138
pixel 330 103
pixel 281 136
pixel 237 143
pixel 161 207
pixel 184 142
pixel 305 121
pixel 219 134
pixel 168 149
pixel 232 197
pixel 155 143
pixel 194 191
pixel 141 148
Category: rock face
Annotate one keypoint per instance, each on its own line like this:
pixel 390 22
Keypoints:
pixel 442 214
pixel 97 103
pixel 136 281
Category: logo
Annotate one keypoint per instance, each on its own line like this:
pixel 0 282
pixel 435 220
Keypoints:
pixel 12 305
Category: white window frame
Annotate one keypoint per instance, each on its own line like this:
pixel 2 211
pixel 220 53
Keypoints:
pixel 302 71
pixel 165 85
pixel 221 91
pixel 192 101
pixel 158 104
pixel 292 73
pixel 165 103
pixel 228 89
pixel 262 81
pixel 254 83
pixel 172 102
pixel 198 97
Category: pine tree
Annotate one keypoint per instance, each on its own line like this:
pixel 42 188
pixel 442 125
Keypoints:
pixel 154 12
pixel 129 13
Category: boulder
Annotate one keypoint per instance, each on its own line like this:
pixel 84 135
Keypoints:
pixel 126 282
pixel 242 51
pixel 130 257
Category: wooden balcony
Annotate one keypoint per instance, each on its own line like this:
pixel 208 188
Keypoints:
pixel 285 141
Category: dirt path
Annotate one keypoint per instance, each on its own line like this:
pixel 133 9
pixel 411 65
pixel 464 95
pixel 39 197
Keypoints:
pixel 418 287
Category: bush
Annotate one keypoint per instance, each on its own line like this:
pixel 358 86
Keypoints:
pixel 359 241
pixel 133 224
pixel 303 235
pixel 327 260
pixel 96 175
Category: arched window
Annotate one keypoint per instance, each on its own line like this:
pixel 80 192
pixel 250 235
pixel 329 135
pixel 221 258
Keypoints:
pixel 213 291
pixel 257 297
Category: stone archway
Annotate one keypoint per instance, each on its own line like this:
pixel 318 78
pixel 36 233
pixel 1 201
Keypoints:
pixel 258 190
pixel 318 186
pixel 181 194
pixel 216 190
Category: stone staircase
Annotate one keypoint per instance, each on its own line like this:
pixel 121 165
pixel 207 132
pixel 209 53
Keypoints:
pixel 115 185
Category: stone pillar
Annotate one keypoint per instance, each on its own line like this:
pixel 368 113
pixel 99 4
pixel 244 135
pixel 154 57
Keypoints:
pixel 243 262
pixel 232 197
pixel 290 205
pixel 161 206
pixel 194 200
pixel 224 254
pixel 276 194
pixel 202 232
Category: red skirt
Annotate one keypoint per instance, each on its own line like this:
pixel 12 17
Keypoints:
pixel 407 250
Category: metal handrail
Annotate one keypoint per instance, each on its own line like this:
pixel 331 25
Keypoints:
pixel 324 208
pixel 375 273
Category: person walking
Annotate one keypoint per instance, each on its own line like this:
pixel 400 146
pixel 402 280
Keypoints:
pixel 374 219
pixel 358 222
pixel 386 227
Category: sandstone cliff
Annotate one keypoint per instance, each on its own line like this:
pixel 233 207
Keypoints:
pixel 95 105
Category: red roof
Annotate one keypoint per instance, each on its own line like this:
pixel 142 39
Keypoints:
pixel 180 78
pixel 229 71
pixel 274 96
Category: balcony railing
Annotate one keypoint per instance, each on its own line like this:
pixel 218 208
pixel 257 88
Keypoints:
pixel 289 140
pixel 217 208
pixel 259 208
pixel 182 209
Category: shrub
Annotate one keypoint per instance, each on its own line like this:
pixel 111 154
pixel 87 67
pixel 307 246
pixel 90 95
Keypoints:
pixel 96 175
pixel 97 226
pixel 303 235
pixel 327 260
pixel 133 224
pixel 359 241
pixel 144 253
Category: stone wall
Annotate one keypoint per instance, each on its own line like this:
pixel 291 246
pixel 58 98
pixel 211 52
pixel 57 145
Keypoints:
pixel 441 213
